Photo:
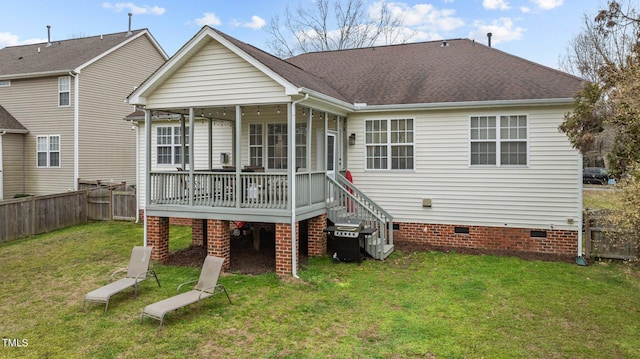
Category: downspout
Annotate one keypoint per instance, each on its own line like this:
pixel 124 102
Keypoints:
pixel 147 167
pixel 292 173
pixel 137 125
pixel 76 129
pixel 579 259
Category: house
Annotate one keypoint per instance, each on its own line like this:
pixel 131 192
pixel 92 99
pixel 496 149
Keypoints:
pixel 449 143
pixel 62 109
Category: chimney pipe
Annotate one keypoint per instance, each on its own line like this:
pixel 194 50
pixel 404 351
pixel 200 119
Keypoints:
pixel 129 32
pixel 489 37
pixel 48 35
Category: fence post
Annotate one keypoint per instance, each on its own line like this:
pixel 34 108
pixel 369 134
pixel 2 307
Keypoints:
pixel 587 232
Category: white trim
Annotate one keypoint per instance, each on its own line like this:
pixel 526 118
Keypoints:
pixel 76 129
pixel 48 151
pixel 61 92
pixel 388 144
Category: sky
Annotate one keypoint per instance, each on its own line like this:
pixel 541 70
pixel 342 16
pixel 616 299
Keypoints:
pixel 537 30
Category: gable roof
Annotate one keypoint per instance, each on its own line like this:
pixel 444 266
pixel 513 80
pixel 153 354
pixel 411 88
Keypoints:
pixel 9 123
pixel 458 70
pixel 64 55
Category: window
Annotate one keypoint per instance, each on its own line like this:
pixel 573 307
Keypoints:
pixel 255 145
pixel 5 83
pixel 276 145
pixel 389 144
pixel 499 140
pixel 64 91
pixel 169 145
pixel 301 145
pixel 48 151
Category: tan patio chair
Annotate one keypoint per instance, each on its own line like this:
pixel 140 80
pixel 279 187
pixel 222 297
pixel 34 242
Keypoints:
pixel 206 287
pixel 137 272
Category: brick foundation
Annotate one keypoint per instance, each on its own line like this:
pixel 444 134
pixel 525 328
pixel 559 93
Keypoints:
pixel 491 239
pixel 197 232
pixel 219 240
pixel 284 261
pixel 317 238
pixel 158 237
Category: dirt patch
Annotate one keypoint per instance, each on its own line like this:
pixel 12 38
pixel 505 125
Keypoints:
pixel 410 247
pixel 244 258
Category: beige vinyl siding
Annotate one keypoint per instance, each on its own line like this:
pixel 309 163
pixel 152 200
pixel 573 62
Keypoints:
pixel 42 117
pixel 106 141
pixel 221 138
pixel 13 164
pixel 543 194
pixel 215 76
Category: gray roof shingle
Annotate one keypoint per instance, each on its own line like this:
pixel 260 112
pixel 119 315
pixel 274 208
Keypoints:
pixel 8 122
pixel 61 56
pixel 428 72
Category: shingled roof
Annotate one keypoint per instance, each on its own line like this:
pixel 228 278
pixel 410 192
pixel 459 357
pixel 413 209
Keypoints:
pixel 9 123
pixel 456 70
pixel 60 56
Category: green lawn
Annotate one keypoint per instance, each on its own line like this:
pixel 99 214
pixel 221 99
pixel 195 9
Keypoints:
pixel 412 305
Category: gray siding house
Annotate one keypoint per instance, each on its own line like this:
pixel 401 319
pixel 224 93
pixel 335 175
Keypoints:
pixel 65 101
pixel 451 144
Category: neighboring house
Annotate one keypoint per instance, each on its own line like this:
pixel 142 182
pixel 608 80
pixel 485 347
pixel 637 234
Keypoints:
pixel 69 97
pixel 449 143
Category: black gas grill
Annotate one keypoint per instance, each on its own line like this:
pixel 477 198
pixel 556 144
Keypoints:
pixel 348 237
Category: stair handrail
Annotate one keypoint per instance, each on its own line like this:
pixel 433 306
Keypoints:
pixel 342 180
pixel 357 200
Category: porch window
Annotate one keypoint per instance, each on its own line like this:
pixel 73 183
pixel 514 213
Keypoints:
pixel 389 144
pixel 277 145
pixel 499 140
pixel 169 145
pixel 64 91
pixel 255 145
pixel 48 151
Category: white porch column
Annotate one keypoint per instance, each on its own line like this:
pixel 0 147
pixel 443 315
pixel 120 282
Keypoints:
pixel 192 122
pixel 237 154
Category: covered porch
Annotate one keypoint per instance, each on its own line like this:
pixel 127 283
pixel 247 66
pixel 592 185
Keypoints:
pixel 249 163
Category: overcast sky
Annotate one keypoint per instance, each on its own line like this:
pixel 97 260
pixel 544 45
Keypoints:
pixel 538 30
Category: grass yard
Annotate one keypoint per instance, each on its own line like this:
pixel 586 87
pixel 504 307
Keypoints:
pixel 413 305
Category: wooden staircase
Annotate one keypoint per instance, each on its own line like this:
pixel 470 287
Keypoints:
pixel 346 202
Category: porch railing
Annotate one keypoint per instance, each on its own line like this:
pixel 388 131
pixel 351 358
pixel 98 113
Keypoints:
pixel 246 190
pixel 346 201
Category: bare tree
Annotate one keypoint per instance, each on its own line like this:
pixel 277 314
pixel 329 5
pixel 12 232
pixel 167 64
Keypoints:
pixel 333 25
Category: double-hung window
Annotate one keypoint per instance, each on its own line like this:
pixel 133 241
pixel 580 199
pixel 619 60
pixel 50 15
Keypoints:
pixel 64 91
pixel 48 151
pixel 276 145
pixel 390 144
pixel 169 145
pixel 499 140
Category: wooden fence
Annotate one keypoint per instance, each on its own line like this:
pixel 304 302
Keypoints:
pixel 599 244
pixel 34 215
pixel 28 216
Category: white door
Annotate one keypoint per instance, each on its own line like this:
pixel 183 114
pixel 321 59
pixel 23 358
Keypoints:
pixel 331 161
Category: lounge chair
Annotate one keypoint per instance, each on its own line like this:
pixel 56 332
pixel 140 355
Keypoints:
pixel 137 272
pixel 207 287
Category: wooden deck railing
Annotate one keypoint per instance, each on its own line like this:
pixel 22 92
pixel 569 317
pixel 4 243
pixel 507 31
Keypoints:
pixel 244 190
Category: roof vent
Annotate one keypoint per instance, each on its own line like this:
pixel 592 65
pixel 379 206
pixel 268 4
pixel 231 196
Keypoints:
pixel 489 37
pixel 48 35
pixel 444 43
